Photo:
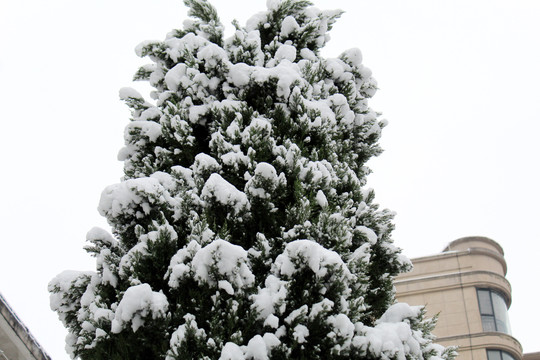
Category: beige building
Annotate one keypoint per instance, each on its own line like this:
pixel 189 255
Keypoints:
pixel 467 287
pixel 16 342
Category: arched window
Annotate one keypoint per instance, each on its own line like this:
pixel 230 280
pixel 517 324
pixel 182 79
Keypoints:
pixel 499 355
pixel 494 311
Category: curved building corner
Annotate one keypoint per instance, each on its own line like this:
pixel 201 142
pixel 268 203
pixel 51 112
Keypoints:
pixel 466 286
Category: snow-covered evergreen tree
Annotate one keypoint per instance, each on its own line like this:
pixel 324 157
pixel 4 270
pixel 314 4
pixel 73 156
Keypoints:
pixel 242 228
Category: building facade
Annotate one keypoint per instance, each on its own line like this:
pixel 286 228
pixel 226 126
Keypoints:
pixel 16 342
pixel 466 287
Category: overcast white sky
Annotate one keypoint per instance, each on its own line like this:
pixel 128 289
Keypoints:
pixel 459 84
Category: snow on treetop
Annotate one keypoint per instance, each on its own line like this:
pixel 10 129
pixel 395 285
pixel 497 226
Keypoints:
pixel 242 229
pixel 288 26
pixel 240 74
pixel 269 297
pixel 205 164
pixel 62 283
pixel 225 193
pixel 399 312
pixel 131 196
pixel 128 92
pixel 266 170
pixel 316 257
pixel 231 351
pixel 352 56
pixel 222 261
pixel 98 234
pixel 137 303
pixel 285 52
pixel 258 348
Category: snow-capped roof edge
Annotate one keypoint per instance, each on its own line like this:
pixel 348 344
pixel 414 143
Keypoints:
pixel 21 331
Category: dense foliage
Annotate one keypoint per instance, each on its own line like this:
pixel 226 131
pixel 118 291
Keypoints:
pixel 242 228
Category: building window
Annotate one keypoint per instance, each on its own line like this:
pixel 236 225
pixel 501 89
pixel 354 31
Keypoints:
pixel 494 311
pixel 499 355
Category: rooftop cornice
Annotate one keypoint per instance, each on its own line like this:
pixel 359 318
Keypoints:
pixel 22 331
pixel 470 251
pixel 476 278
pixel 475 238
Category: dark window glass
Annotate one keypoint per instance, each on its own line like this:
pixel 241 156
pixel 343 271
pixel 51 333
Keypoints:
pixel 507 356
pixel 501 313
pixel 501 326
pixel 493 311
pixel 494 355
pixel 484 300
pixel 488 323
pixel 499 355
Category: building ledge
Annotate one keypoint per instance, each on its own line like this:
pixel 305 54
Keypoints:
pixel 484 340
pixel 21 331
pixel 531 356
pixel 438 282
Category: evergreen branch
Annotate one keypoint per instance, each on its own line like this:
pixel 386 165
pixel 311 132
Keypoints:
pixel 333 16
pixel 203 10
pixel 293 6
